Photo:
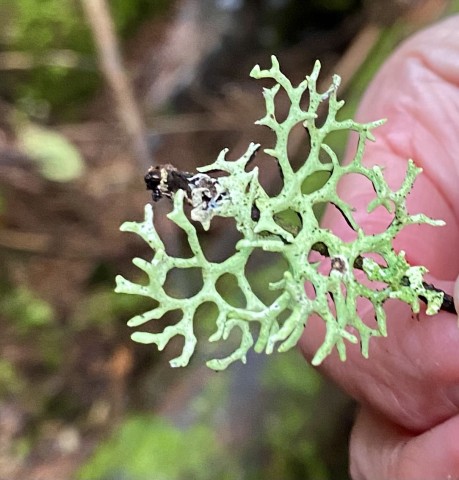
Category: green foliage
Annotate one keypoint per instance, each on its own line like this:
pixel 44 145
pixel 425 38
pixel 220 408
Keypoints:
pixel 47 27
pixel 35 26
pixel 148 447
pixel 38 28
pixel 303 415
pixel 57 158
pixel 101 306
pixel 29 316
pixel 26 310
pixel 288 430
pixel 288 373
pixel 337 290
pixel 11 383
pixel 127 14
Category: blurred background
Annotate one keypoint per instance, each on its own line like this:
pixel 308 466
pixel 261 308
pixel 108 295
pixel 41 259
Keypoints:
pixel 92 92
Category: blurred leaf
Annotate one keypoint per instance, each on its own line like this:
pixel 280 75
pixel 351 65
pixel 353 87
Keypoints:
pixel 11 382
pixel 26 310
pixel 58 159
pixel 290 373
pixel 147 448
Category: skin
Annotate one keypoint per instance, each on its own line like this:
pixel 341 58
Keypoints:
pixel 408 423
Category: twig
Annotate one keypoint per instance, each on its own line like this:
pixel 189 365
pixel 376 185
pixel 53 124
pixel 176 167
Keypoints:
pixel 166 180
pixel 103 30
pixel 448 301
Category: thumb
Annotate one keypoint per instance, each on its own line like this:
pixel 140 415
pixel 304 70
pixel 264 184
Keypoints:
pixel 380 449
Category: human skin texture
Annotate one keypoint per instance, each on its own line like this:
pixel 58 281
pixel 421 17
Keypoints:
pixel 408 389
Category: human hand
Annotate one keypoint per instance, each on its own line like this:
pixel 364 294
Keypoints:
pixel 408 425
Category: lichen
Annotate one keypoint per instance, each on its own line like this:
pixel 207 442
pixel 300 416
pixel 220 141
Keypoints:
pixel 238 194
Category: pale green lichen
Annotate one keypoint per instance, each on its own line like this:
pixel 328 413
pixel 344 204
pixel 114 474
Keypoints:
pixel 336 292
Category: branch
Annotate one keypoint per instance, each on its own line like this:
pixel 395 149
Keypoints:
pixel 166 180
pixel 103 30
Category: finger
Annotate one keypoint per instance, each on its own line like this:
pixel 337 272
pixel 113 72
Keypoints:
pixel 413 375
pixel 380 450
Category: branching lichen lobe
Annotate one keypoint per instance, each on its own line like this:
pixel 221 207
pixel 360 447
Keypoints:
pixel 239 195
